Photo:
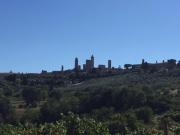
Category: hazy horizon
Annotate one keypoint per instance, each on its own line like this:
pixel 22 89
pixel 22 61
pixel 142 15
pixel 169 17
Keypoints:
pixel 36 35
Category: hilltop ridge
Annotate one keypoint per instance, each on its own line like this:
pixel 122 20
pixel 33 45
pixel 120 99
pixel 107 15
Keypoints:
pixel 137 96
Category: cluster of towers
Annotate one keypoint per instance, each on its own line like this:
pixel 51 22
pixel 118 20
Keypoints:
pixel 89 65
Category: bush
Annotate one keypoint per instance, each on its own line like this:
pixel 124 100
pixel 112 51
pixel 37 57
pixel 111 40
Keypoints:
pixel 7 92
pixel 144 114
pixel 30 116
pixel 117 124
pixel 69 125
pixel 56 94
pixel 176 117
pixel 131 121
pixel 84 126
pixel 6 110
pixel 31 96
pixel 49 112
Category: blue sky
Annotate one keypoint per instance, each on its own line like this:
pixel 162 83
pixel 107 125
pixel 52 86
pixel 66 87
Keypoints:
pixel 44 34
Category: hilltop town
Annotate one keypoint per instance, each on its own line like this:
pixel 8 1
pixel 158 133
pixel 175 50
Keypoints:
pixel 135 97
pixel 88 67
pixel 144 66
pixel 80 73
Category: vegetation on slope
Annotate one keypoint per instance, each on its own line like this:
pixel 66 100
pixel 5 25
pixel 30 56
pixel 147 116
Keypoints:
pixel 124 103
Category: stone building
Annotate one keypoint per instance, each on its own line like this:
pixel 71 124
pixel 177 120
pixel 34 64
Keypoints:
pixel 170 64
pixel 102 67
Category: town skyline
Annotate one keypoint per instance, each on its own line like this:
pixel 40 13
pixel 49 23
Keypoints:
pixel 89 64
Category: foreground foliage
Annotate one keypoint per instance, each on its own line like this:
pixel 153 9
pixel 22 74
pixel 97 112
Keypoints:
pixel 69 125
pixel 126 104
pixel 74 125
pixel 59 128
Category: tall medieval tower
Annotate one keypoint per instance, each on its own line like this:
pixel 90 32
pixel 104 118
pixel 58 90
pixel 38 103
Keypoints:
pixel 109 64
pixel 76 64
pixel 92 62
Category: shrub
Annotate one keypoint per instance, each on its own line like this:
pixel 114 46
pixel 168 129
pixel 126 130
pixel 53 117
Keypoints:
pixel 144 114
pixel 31 96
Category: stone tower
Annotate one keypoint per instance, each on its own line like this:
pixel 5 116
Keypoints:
pixel 143 61
pixel 109 64
pixel 62 68
pixel 76 64
pixel 92 61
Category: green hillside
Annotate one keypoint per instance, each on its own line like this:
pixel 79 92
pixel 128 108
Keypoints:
pixel 123 103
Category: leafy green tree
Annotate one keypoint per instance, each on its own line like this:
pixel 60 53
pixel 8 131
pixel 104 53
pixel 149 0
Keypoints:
pixel 140 99
pixel 56 94
pixel 6 110
pixel 84 126
pixel 177 131
pixel 103 113
pixel 24 80
pixel 30 116
pixel 117 124
pixel 123 99
pixel 49 112
pixel 31 96
pixel 145 114
pixel 7 92
pixel 131 121
pixel 165 124
pixel 11 77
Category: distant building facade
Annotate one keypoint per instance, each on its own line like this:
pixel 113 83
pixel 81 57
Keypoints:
pixel 152 67
pixel 88 65
pixel 102 67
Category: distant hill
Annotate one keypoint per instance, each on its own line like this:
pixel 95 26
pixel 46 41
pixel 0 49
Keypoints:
pixel 127 99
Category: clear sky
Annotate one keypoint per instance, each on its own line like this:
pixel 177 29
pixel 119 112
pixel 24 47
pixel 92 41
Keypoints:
pixel 44 34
